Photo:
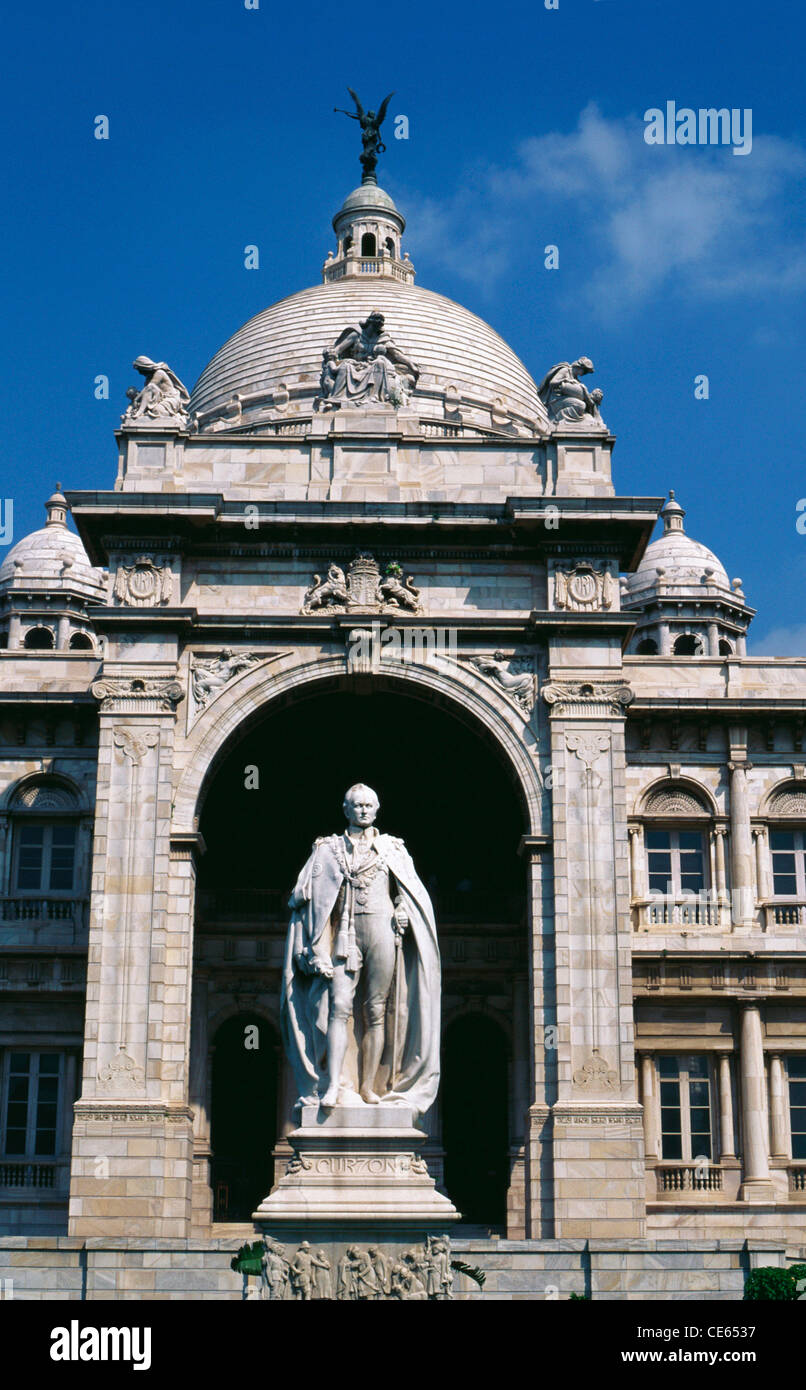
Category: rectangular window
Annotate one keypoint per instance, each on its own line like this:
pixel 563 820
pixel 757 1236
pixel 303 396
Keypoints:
pixel 675 862
pixel 30 1113
pixel 788 849
pixel 45 858
pixel 796 1068
pixel 685 1107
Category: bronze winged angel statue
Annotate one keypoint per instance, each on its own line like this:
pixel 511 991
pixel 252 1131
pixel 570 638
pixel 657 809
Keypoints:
pixel 370 123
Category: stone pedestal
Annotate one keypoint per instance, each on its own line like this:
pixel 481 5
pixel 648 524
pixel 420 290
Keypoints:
pixel 356 1164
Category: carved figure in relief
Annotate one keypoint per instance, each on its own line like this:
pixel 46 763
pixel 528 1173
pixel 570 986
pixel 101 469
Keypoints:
pixel 361 915
pixel 322 1285
pixel 397 593
pixel 163 397
pixel 381 1273
pixel 345 1285
pixel 211 675
pixel 519 684
pixel 275 1267
pixel 301 1272
pixel 326 595
pixel 565 397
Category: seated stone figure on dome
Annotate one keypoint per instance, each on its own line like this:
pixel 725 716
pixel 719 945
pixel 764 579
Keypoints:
pixel 364 366
pixel 163 397
pixel 563 394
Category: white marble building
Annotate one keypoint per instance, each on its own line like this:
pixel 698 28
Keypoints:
pixel 603 791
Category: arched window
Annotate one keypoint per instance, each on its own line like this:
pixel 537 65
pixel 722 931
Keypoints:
pixel 390 246
pixel 44 820
pixel 788 842
pixel 348 244
pixel 725 649
pixel 81 642
pixel 647 647
pixel 368 244
pixel 677 858
pixel 688 644
pixel 39 639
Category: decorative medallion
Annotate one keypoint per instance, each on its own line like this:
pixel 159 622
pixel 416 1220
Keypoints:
pixel 585 588
pixel 143 584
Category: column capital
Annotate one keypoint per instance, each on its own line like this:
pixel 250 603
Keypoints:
pixel 134 694
pixel 588 698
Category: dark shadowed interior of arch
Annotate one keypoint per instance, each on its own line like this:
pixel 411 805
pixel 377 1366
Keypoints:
pixel 244 1115
pixel 442 788
pixel 474 1118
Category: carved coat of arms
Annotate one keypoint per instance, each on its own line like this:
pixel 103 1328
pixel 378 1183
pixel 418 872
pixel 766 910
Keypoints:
pixel 364 588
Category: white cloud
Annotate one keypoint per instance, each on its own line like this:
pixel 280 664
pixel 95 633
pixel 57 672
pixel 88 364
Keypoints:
pixel 781 641
pixel 686 218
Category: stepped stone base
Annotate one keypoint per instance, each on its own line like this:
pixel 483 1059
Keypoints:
pixel 357 1164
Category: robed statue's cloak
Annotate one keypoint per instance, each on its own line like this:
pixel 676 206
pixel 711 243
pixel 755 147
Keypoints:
pixel 306 996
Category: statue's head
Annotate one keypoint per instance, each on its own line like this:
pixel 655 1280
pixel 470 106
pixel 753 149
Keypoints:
pixel 582 366
pixel 374 322
pixel 144 365
pixel 361 805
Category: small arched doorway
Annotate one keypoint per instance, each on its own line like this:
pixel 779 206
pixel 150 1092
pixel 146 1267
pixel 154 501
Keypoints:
pixel 475 1129
pixel 244 1115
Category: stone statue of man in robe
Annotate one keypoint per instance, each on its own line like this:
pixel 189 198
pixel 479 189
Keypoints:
pixel 361 984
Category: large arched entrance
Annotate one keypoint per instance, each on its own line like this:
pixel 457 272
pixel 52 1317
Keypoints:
pixel 447 789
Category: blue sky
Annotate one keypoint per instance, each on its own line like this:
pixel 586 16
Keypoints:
pixel 526 128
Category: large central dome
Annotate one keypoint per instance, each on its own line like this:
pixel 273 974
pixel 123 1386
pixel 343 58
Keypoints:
pixel 270 369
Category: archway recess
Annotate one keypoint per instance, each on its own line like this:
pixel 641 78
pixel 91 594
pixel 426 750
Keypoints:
pixel 445 786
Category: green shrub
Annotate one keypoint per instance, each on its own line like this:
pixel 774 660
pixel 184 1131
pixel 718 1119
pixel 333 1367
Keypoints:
pixel 769 1283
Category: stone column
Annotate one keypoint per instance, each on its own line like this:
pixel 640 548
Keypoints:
pixel 542 1034
pixel 778 1126
pixel 763 868
pixel 133 1106
pixel 726 1142
pixel 756 1186
pixel 720 832
pixel 649 1100
pixel 519 1110
pixel 202 1200
pixel 597 1119
pixel 713 640
pixel 742 895
pixel 638 877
